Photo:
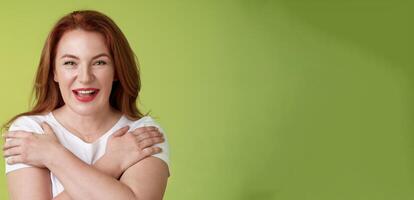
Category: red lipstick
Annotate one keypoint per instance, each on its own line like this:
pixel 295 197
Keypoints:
pixel 85 94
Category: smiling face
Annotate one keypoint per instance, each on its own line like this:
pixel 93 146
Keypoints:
pixel 84 71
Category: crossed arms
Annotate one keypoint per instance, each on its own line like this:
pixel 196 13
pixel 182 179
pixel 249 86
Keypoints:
pixel 126 170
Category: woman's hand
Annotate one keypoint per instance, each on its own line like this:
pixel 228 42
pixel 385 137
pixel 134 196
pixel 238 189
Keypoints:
pixel 30 148
pixel 125 149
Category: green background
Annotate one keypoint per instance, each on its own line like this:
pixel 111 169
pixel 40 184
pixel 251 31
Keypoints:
pixel 290 100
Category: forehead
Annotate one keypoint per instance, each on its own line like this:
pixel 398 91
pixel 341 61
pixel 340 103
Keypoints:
pixel 81 43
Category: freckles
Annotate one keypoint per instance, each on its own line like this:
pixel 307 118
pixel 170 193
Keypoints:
pixel 64 74
pixel 66 81
pixel 69 76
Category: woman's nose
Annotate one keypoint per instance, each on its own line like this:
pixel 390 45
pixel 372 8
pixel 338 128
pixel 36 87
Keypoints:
pixel 85 75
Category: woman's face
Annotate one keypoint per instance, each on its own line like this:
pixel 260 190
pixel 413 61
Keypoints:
pixel 84 71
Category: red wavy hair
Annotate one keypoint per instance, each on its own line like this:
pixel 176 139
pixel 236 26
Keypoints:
pixel 124 92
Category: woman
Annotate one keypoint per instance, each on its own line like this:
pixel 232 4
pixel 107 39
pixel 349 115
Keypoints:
pixel 75 143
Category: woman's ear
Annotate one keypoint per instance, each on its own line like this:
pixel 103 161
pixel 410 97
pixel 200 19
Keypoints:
pixel 55 76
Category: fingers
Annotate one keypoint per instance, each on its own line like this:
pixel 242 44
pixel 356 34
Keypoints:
pixel 12 143
pixel 46 128
pixel 147 132
pixel 147 135
pixel 145 129
pixel 18 134
pixel 12 151
pixel 151 151
pixel 15 159
pixel 121 131
pixel 150 141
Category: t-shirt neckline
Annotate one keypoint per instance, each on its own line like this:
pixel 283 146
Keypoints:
pixel 111 130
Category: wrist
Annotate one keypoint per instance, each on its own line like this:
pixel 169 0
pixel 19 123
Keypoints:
pixel 54 155
pixel 107 166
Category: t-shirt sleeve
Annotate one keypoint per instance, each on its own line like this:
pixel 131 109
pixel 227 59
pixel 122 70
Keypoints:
pixel 27 124
pixel 165 153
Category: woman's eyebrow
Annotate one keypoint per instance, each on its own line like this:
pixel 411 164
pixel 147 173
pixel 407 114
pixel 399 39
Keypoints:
pixel 75 57
pixel 69 56
pixel 101 54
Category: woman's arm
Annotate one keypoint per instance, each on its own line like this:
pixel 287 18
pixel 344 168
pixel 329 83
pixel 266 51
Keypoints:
pixel 105 165
pixel 29 183
pixel 118 157
pixel 147 178
pixel 110 163
pixel 20 188
pixel 81 181
pixel 151 181
pixel 41 190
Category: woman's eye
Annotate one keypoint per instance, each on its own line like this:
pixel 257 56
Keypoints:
pixel 69 63
pixel 100 62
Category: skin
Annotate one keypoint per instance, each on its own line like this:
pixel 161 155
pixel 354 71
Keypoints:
pixel 126 171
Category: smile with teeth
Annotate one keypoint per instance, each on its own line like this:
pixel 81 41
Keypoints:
pixel 81 92
pixel 85 94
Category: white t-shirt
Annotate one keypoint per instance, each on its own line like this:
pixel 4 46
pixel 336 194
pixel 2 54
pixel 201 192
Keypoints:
pixel 87 152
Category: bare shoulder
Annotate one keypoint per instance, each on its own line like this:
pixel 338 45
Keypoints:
pixel 38 188
pixel 147 178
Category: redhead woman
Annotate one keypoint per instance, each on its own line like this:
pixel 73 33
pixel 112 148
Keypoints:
pixel 85 138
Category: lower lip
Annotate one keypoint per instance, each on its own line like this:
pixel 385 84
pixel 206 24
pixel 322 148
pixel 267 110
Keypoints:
pixel 87 98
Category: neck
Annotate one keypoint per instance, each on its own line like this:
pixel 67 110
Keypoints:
pixel 90 125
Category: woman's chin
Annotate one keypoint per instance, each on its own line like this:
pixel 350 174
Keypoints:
pixel 87 109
